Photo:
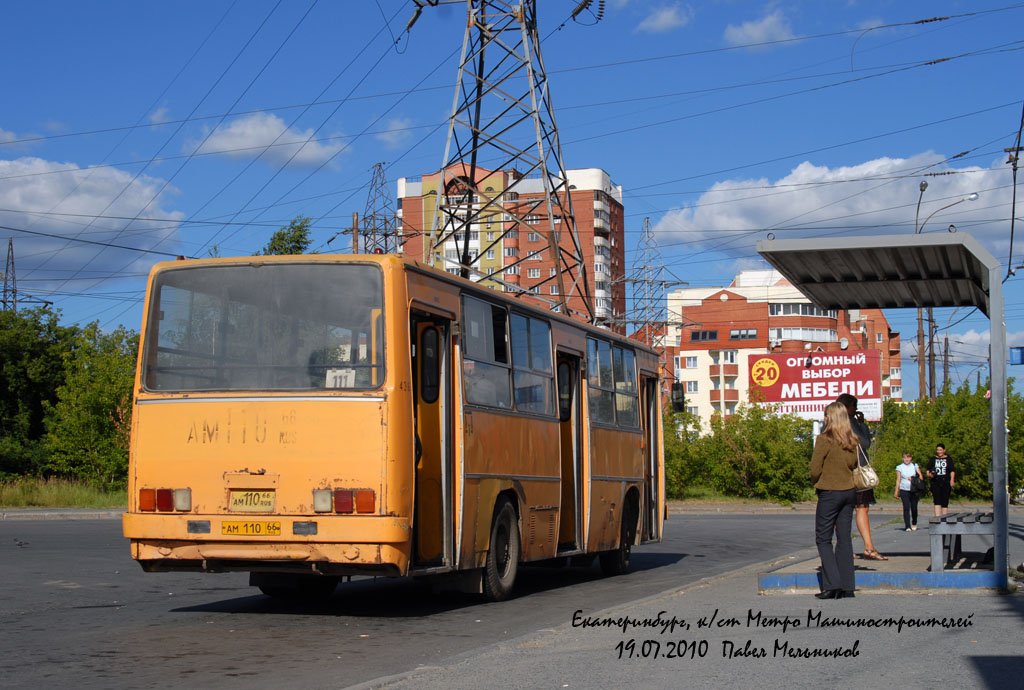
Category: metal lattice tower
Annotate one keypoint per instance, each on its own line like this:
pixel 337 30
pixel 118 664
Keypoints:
pixel 648 279
pixel 10 295
pixel 502 119
pixel 10 281
pixel 380 226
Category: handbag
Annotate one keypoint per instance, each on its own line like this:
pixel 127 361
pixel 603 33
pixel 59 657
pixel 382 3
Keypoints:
pixel 864 475
pixel 917 486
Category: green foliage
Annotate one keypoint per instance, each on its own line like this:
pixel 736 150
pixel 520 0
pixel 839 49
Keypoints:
pixel 89 425
pixel 291 239
pixel 27 492
pixel 752 454
pixel 961 420
pixel 32 350
pixel 756 454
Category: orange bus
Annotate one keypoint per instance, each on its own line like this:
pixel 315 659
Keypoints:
pixel 305 418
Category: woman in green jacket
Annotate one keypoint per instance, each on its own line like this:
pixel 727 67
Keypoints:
pixel 835 456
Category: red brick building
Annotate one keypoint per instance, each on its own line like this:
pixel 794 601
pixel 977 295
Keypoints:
pixel 597 205
pixel 761 312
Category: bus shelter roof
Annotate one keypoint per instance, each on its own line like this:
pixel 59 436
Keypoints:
pixel 902 271
pixel 886 272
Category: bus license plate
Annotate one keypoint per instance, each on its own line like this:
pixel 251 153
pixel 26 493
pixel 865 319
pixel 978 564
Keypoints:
pixel 251 501
pixel 251 529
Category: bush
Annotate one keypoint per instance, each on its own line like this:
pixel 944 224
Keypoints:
pixel 753 454
pixel 88 427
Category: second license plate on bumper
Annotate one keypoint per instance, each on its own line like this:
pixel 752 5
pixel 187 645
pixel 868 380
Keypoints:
pixel 251 528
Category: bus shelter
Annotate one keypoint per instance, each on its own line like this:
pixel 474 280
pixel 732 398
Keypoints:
pixel 910 271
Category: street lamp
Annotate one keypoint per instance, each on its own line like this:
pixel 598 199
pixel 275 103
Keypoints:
pixel 918 229
pixel 921 381
pixel 931 321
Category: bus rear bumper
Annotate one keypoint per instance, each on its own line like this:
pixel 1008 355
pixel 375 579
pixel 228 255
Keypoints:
pixel 339 545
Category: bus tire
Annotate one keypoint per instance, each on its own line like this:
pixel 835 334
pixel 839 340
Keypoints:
pixel 503 555
pixel 616 561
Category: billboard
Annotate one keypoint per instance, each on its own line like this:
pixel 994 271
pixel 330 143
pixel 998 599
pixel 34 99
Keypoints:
pixel 804 383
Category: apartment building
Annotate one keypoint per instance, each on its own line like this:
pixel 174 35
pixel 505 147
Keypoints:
pixel 760 313
pixel 520 257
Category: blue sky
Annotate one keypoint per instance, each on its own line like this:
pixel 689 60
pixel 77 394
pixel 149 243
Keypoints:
pixel 146 125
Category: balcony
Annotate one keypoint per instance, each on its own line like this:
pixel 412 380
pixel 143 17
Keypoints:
pixel 727 394
pixel 717 370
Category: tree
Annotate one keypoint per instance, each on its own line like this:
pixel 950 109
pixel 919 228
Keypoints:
pixel 960 419
pixel 32 350
pixel 291 239
pixel 755 453
pixel 89 425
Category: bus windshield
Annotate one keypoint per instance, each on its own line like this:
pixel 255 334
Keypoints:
pixel 273 326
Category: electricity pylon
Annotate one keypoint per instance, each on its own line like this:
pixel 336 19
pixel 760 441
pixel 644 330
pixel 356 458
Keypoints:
pixel 380 235
pixel 502 119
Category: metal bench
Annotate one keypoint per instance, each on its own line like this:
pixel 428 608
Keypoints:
pixel 946 530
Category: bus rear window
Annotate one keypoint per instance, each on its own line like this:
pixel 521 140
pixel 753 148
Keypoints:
pixel 271 326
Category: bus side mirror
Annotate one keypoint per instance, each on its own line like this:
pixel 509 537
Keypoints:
pixel 678 397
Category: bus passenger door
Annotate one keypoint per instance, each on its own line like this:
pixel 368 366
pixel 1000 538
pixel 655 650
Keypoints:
pixel 652 482
pixel 570 528
pixel 432 526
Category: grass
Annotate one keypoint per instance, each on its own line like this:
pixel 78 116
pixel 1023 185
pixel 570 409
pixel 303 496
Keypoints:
pixel 58 493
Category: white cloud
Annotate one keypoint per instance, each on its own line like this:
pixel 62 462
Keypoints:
pixel 666 18
pixel 32 186
pixel 250 135
pixel 159 115
pixel 6 136
pixel 396 132
pixel 877 197
pixel 772 27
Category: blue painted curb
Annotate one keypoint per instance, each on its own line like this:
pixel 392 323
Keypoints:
pixel 943 580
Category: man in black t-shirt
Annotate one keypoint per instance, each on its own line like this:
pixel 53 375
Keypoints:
pixel 943 476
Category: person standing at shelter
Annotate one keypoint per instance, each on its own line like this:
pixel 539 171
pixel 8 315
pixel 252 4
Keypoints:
pixel 866 498
pixel 905 472
pixel 943 476
pixel 831 470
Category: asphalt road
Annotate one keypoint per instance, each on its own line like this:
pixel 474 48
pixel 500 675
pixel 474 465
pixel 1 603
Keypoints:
pixel 76 611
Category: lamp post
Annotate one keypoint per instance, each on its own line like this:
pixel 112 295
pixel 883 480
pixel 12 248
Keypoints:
pixel 921 381
pixel 931 320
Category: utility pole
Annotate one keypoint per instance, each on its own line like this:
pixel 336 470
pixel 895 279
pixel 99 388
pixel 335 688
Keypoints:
pixel 931 356
pixel 922 379
pixel 355 232
pixel 945 363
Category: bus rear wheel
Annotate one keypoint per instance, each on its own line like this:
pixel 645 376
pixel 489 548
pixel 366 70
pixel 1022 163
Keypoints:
pixel 503 555
pixel 616 561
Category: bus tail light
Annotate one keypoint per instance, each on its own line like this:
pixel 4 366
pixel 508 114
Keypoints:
pixel 364 501
pixel 343 501
pixel 165 500
pixel 183 500
pixel 322 500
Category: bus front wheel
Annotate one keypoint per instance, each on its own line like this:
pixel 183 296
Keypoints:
pixel 503 554
pixel 616 561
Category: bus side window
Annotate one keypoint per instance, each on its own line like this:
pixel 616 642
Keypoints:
pixel 485 365
pixel 565 385
pixel 430 365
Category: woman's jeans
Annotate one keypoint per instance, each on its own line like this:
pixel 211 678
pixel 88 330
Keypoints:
pixel 910 500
